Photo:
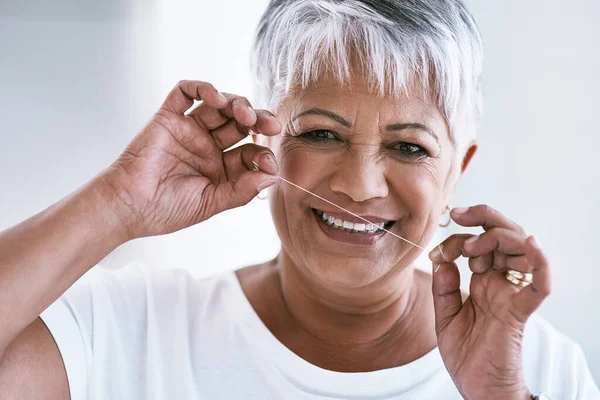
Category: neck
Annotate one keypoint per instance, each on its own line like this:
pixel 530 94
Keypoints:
pixel 354 325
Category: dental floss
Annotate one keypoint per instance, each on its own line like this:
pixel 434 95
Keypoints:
pixel 350 212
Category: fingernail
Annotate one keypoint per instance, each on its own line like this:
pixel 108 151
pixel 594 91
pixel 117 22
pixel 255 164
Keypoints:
pixel 271 161
pixel 435 253
pixel 460 210
pixel 266 183
pixel 251 111
pixel 269 165
pixel 436 267
pixel 471 239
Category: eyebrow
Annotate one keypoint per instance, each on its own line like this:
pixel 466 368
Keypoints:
pixel 347 124
pixel 413 125
pixel 325 113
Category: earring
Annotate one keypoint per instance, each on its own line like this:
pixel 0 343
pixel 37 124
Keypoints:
pixel 444 225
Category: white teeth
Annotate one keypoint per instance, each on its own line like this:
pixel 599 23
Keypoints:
pixel 356 227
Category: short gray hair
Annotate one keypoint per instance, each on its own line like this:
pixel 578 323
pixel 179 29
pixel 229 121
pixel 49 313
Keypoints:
pixel 396 41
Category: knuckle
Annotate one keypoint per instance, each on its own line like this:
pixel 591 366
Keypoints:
pixel 521 230
pixel 241 101
pixel 485 209
pixel 206 86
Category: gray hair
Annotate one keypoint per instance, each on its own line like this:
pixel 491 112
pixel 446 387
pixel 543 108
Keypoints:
pixel 396 42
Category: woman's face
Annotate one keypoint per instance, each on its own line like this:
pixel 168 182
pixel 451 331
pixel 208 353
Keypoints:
pixel 386 159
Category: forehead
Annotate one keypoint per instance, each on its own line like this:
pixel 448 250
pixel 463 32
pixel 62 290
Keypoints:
pixel 357 99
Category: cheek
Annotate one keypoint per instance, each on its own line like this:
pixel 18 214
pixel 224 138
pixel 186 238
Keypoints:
pixel 289 205
pixel 303 166
pixel 420 188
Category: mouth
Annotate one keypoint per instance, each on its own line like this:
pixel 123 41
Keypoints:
pixel 353 224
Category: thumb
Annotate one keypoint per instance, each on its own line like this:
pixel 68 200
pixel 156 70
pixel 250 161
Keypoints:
pixel 235 194
pixel 447 299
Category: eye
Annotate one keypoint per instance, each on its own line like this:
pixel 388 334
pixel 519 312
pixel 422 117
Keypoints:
pixel 319 135
pixel 410 149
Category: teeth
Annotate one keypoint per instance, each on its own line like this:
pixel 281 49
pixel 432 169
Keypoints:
pixel 356 227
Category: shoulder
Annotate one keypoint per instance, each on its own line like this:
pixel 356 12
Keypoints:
pixel 137 293
pixel 554 363
pixel 110 319
pixel 138 280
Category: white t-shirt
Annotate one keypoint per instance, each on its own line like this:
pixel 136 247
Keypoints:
pixel 141 333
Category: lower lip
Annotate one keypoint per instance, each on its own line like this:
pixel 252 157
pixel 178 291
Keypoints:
pixel 361 239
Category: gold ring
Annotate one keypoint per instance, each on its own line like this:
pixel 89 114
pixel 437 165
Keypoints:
pixel 519 278
pixel 523 276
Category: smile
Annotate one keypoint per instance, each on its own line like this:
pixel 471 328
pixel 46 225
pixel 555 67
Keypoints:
pixel 350 226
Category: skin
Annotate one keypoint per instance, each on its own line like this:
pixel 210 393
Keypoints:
pixel 348 306
pixel 317 297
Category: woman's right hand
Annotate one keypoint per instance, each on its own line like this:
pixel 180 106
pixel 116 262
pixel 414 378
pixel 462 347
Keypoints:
pixel 176 172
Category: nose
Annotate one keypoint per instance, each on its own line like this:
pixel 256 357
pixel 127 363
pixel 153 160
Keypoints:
pixel 360 177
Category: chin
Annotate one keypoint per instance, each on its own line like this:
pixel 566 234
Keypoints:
pixel 348 272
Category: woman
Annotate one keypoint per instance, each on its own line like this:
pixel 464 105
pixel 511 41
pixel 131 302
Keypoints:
pixel 375 105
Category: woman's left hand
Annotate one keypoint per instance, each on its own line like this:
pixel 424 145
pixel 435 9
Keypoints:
pixel 480 340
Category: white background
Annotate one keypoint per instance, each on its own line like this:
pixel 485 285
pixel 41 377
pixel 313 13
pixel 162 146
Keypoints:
pixel 79 78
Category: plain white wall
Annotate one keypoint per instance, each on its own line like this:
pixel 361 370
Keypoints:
pixel 79 78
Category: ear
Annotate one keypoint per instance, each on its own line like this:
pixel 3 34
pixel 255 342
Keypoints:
pixel 463 166
pixel 468 157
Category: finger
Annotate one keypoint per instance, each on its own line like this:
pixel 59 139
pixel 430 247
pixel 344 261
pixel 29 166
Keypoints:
pixel 481 264
pixel 530 298
pixel 182 97
pixel 240 109
pixel 229 134
pixel 207 117
pixel 495 239
pixel 485 216
pixel 447 299
pixel 450 249
pixel 499 262
pixel 233 194
pixel 504 262
pixel 241 159
pixel 267 124
pixel 233 132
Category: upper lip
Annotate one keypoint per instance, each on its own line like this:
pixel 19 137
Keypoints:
pixel 351 218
